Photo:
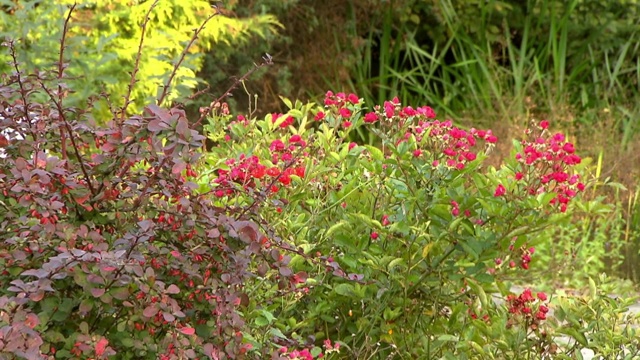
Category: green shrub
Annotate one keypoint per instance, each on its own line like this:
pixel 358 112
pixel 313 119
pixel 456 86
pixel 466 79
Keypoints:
pixel 416 231
pixel 104 39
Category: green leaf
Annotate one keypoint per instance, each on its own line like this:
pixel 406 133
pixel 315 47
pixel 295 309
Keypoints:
pixel 287 102
pixel 261 321
pixel 574 333
pixel 376 154
pixel 478 290
pixel 396 263
pixel 448 338
pixel 344 289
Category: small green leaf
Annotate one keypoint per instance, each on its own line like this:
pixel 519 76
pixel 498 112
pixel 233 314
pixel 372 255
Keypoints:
pixel 376 153
pixel 344 289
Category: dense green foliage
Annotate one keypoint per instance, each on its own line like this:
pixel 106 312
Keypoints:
pixel 105 38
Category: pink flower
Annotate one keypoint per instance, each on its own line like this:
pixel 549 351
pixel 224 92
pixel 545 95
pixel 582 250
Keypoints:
pixel 542 296
pixel 346 124
pixel 319 116
pixel 345 113
pixel 374 235
pixel 470 156
pixel 544 124
pixel 353 98
pixel 500 190
pixel 568 148
pixel 370 117
pixel 417 153
pixel 541 316
pixel 519 176
pixel 352 145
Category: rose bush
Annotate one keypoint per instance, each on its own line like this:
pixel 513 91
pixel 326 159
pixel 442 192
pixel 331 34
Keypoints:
pixel 416 228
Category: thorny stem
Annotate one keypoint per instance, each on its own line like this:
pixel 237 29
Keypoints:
pixel 136 66
pixel 63 140
pixel 176 66
pixel 266 60
pixel 23 91
pixel 71 137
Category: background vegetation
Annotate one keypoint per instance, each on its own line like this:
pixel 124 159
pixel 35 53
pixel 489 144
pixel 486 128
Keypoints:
pixel 502 65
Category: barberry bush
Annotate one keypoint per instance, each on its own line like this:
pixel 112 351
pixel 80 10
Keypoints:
pixel 106 247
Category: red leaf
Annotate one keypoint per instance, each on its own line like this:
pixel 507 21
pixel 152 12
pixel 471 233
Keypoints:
pixel 31 320
pixel 187 330
pixel 97 292
pixel 178 167
pixel 101 346
pixel 150 311
pixel 173 289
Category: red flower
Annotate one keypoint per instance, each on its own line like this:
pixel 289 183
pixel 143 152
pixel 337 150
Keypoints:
pixel 299 171
pixel 500 190
pixel 345 113
pixel 274 171
pixel 544 124
pixel 370 117
pixel 319 116
pixel 542 296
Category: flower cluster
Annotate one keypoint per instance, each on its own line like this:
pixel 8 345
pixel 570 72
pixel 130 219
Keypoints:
pixel 341 104
pixel 450 144
pixel 286 122
pixel 525 256
pixel 247 169
pixel 525 306
pixel 454 143
pixel 545 166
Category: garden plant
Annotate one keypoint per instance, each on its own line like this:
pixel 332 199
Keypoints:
pixel 157 234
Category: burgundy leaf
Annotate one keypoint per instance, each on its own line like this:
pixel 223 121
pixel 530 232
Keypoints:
pixel 150 311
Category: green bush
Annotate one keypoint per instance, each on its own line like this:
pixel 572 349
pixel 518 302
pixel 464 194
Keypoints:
pixel 104 39
pixel 416 231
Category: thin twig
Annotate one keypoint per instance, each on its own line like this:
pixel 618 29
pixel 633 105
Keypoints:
pixel 176 66
pixel 63 140
pixel 199 92
pixel 23 90
pixel 73 141
pixel 266 60
pixel 136 66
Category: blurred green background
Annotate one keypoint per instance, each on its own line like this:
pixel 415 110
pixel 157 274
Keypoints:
pixel 497 64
